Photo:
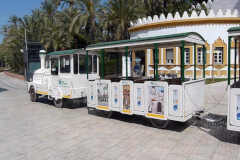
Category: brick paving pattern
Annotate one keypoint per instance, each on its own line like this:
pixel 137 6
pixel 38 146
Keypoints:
pixel 38 131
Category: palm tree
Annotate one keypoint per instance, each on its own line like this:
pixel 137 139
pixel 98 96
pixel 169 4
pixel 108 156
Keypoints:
pixel 156 7
pixel 87 17
pixel 120 13
pixel 12 43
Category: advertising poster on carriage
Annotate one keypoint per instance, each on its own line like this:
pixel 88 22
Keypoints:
pixel 115 95
pixel 126 97
pixel 139 97
pixel 238 108
pixel 102 91
pixel 175 100
pixel 156 100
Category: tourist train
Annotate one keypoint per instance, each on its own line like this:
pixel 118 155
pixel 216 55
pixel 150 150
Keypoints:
pixel 164 67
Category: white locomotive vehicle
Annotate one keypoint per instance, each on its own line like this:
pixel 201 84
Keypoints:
pixel 64 75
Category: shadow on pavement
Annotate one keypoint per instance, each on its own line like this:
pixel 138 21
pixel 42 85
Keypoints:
pixel 44 100
pixel 136 119
pixel 2 90
pixel 141 120
pixel 219 130
pixel 69 104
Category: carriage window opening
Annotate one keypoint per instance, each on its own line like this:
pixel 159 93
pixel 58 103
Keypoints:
pixel 65 64
pixel 90 64
pixel 82 66
pixel 47 62
pixel 54 66
pixel 75 64
pixel 95 64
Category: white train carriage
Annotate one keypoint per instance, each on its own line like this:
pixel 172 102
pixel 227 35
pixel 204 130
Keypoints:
pixel 233 118
pixel 64 75
pixel 160 100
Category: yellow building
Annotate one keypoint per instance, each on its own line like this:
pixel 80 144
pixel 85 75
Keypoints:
pixel 213 27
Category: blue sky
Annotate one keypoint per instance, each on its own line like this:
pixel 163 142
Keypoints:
pixel 16 7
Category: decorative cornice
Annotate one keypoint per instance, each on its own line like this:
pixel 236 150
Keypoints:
pixel 187 22
pixel 227 17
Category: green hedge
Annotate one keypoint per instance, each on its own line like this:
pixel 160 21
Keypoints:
pixel 215 80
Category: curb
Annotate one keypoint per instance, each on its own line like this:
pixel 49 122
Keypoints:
pixel 14 75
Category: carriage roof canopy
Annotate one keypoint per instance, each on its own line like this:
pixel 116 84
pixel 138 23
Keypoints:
pixel 172 40
pixel 65 52
pixel 234 31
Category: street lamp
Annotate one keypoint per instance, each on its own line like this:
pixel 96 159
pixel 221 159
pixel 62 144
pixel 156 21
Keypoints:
pixel 25 53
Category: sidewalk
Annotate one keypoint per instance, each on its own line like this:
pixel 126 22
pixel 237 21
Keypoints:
pixel 14 75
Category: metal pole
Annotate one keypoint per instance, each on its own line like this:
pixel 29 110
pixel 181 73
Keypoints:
pixel 87 63
pixel 26 52
pixel 182 61
pixel 195 62
pixel 126 55
pixel 235 62
pixel 25 34
pixel 102 63
pixel 229 59
pixel 238 60
pixel 118 64
pixel 154 66
pixel 204 61
pixel 156 61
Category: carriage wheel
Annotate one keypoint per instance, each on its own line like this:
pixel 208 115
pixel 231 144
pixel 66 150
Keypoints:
pixel 161 124
pixel 90 110
pixel 58 103
pixel 105 114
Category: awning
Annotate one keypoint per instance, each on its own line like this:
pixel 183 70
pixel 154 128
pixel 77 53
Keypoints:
pixel 164 41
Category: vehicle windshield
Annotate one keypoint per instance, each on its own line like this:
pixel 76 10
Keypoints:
pixel 65 65
pixel 54 66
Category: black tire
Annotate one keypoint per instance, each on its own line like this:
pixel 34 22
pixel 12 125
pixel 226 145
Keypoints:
pixel 161 124
pixel 58 103
pixel 106 114
pixel 33 95
pixel 91 110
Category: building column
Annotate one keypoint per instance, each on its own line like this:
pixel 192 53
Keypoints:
pixel 133 59
pixel 177 62
pixel 182 61
pixel 162 56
